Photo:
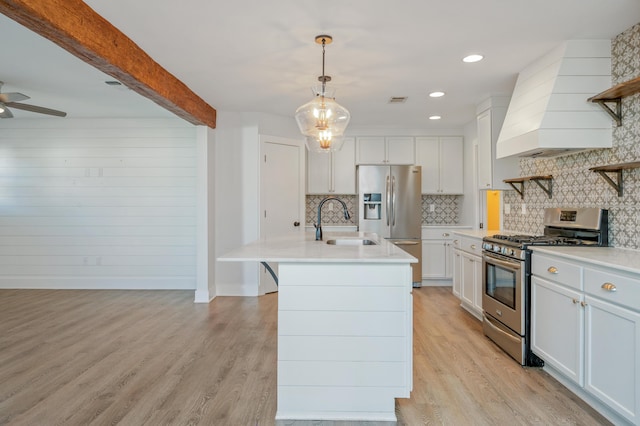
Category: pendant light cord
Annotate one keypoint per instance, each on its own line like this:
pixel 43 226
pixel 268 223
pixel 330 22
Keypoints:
pixel 324 80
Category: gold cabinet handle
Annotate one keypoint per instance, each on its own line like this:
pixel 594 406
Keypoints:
pixel 583 304
pixel 446 234
pixel 473 246
pixel 609 287
pixel 552 270
pixel 575 301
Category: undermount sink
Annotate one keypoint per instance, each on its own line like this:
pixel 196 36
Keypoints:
pixel 351 242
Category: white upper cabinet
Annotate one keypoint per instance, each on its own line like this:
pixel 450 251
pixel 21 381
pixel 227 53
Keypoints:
pixel 332 173
pixel 441 159
pixel 385 150
pixel 491 171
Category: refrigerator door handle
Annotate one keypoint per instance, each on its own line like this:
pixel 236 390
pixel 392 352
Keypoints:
pixel 393 200
pixel 388 198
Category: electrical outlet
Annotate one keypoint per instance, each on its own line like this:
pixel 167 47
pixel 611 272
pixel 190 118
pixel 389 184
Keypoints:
pixel 432 208
pixel 330 206
pixel 507 209
pixel 524 208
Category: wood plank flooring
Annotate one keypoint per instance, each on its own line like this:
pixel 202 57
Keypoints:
pixel 72 357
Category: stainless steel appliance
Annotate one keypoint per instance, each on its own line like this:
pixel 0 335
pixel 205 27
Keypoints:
pixel 506 274
pixel 389 204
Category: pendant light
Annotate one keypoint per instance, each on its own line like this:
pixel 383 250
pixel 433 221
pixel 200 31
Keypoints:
pixel 322 120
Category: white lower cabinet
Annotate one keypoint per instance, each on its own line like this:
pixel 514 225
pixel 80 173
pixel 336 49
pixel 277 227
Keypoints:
pixel 437 254
pixel 612 356
pixel 557 334
pixel 585 325
pixel 457 273
pixel 467 273
pixel 435 259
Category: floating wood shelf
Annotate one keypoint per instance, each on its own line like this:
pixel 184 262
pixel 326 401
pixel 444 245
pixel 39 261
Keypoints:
pixel 537 179
pixel 617 169
pixel 615 95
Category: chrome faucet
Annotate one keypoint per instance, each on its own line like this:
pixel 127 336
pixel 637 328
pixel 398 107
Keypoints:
pixel 318 225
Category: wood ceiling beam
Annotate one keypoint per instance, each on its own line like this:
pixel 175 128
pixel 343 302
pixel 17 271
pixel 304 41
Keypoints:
pixel 77 28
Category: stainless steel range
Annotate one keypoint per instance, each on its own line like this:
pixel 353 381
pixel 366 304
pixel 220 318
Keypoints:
pixel 506 274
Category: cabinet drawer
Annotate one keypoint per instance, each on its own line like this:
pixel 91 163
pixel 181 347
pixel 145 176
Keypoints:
pixel 614 288
pixel 554 269
pixel 471 245
pixel 437 234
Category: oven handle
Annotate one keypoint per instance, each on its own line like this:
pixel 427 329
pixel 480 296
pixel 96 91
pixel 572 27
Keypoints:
pixel 515 265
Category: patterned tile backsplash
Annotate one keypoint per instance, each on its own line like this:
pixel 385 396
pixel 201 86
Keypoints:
pixel 446 210
pixel 574 185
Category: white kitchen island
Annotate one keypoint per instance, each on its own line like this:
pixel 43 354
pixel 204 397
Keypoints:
pixel 345 324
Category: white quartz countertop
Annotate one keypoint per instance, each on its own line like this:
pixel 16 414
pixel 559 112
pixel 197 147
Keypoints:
pixel 301 247
pixel 612 257
pixel 475 233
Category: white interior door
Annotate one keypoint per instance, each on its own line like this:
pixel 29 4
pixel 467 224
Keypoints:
pixel 281 195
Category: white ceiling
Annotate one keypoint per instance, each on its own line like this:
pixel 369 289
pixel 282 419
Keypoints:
pixel 260 56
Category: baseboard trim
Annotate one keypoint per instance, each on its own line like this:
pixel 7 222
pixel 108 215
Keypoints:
pixel 202 296
pixel 437 282
pixel 98 283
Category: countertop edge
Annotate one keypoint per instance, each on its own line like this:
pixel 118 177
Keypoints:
pixel 302 248
pixel 627 260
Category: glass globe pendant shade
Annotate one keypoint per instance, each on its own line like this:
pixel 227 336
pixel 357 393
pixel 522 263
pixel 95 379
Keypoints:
pixel 323 122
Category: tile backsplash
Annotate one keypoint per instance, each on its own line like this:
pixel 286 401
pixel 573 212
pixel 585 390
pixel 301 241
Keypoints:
pixel 574 185
pixel 445 210
pixel 335 216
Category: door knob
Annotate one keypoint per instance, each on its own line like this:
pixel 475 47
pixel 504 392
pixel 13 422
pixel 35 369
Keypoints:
pixel 296 223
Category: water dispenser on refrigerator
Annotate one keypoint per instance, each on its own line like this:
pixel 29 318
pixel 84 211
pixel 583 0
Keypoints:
pixel 372 206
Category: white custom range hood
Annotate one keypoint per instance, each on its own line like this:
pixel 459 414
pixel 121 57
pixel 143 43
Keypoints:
pixel 549 113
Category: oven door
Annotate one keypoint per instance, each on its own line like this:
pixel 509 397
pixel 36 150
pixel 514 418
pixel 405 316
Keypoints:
pixel 502 298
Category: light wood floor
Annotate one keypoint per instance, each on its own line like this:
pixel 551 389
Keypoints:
pixel 156 358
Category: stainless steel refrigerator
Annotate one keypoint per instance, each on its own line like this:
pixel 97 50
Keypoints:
pixel 389 204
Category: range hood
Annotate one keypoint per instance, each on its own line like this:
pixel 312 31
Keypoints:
pixel 549 114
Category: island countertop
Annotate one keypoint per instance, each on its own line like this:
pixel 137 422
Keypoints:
pixel 298 247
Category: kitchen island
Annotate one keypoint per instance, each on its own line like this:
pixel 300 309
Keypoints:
pixel 345 324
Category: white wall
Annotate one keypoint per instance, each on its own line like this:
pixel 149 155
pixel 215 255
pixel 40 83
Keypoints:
pixel 237 173
pixel 205 216
pixel 97 204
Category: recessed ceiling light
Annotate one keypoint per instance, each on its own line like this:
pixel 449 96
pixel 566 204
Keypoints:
pixel 436 94
pixel 472 58
pixel 435 117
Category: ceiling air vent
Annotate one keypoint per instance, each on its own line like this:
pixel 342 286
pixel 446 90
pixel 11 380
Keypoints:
pixel 397 99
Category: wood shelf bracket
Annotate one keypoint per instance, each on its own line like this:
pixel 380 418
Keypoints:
pixel 617 170
pixel 614 95
pixel 518 190
pixel 617 114
pixel 616 185
pixel 548 189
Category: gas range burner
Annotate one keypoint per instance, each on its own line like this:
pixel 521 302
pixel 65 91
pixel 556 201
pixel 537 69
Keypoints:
pixel 523 241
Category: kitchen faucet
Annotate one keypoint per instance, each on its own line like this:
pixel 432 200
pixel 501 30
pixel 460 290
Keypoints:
pixel 318 225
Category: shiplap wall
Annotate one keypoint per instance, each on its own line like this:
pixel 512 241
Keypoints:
pixel 97 204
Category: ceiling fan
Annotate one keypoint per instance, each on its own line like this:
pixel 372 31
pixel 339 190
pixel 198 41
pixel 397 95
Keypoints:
pixel 13 100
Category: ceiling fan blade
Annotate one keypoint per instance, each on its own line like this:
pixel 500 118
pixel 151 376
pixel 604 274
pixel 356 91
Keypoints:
pixel 12 97
pixel 38 109
pixel 5 112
